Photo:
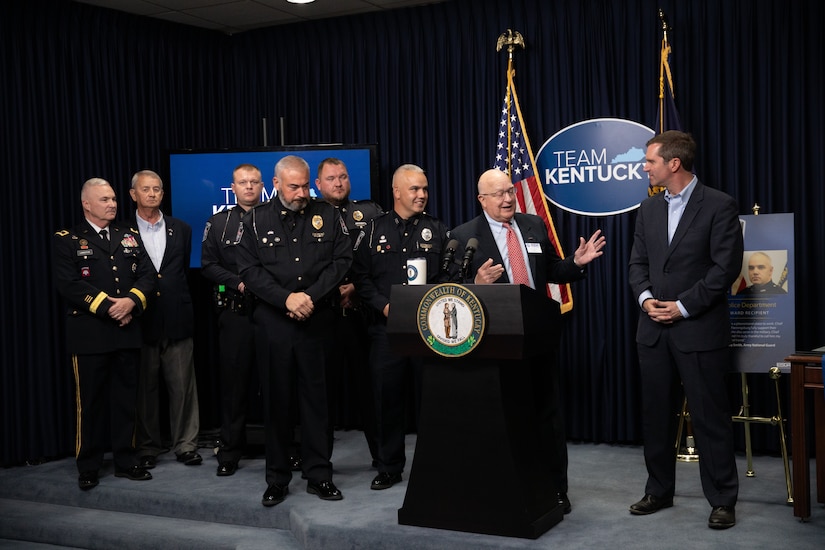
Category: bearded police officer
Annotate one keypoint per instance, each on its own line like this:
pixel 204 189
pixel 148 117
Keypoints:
pixel 293 255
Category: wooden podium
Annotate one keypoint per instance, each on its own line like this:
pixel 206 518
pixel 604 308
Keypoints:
pixel 484 460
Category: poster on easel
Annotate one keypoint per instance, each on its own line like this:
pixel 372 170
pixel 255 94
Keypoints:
pixel 762 299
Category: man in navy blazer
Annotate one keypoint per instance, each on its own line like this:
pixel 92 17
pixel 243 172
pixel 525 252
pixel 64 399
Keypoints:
pixel 491 263
pixel 687 252
pixel 168 326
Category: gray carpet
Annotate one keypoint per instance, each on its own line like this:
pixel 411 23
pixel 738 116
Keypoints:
pixel 189 507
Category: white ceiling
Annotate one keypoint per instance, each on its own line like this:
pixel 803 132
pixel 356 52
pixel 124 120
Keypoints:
pixel 234 16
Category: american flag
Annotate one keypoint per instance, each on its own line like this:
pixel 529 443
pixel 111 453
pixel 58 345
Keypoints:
pixel 514 156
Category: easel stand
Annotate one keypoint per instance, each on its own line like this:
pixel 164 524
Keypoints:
pixel 744 416
pixel 689 453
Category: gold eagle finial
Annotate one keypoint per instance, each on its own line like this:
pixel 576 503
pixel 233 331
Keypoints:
pixel 511 40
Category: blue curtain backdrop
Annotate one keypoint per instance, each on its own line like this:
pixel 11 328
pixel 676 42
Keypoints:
pixel 89 92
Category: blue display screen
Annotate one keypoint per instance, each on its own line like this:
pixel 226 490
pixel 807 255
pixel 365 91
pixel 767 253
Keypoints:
pixel 200 180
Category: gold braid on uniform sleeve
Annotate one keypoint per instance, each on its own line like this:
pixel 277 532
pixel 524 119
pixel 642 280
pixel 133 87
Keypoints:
pixel 140 296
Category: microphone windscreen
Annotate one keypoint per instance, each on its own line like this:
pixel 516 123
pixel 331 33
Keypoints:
pixel 452 245
pixel 472 243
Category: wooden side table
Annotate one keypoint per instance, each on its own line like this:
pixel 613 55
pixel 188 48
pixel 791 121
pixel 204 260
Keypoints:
pixel 806 374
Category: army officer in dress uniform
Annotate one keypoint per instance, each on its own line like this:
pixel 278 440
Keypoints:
pixel 103 273
pixel 293 255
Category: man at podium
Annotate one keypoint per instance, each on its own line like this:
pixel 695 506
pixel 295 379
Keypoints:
pixel 515 248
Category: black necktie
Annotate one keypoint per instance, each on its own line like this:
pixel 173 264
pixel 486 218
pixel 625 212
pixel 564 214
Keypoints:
pixel 104 234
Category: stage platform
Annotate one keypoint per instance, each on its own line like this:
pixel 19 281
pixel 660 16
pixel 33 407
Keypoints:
pixel 188 507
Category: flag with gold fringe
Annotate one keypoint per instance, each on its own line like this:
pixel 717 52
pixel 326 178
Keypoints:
pixel 515 157
pixel 667 118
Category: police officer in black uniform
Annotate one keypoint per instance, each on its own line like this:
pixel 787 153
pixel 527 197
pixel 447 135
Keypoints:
pixel 293 255
pixel 760 274
pixel 102 271
pixel 349 373
pixel 237 341
pixel 380 262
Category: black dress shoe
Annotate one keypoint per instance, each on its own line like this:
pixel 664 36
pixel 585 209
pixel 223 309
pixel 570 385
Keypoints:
pixel 190 458
pixel 326 490
pixel 295 463
pixel 722 517
pixel 148 462
pixel 385 480
pixel 227 468
pixel 135 473
pixel 565 503
pixel 649 505
pixel 87 480
pixel 274 494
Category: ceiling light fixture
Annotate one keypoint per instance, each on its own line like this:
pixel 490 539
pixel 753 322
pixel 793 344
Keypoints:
pixel 300 1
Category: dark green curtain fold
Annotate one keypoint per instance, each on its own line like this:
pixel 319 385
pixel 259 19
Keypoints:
pixel 89 92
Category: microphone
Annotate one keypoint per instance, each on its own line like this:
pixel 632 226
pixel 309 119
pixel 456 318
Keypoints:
pixel 469 251
pixel 449 254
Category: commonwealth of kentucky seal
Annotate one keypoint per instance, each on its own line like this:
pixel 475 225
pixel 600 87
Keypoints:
pixel 451 320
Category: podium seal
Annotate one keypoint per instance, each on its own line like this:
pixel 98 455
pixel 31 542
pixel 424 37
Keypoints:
pixel 451 320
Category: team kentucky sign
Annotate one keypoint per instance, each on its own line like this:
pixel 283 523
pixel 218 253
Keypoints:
pixel 595 167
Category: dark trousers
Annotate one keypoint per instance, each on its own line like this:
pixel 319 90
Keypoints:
pixel 547 396
pixel 292 358
pixel 701 374
pixel 349 376
pixel 391 374
pixel 237 367
pixel 101 380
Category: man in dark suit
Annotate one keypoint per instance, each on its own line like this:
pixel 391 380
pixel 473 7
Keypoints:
pixel 167 330
pixel 687 252
pixel 516 248
pixel 106 278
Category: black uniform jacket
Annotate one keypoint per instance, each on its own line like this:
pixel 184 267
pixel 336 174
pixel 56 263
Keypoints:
pixel 87 270
pixel 219 256
pixel 382 253
pixel 275 261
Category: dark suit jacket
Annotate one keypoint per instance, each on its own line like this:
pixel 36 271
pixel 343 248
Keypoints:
pixel 87 271
pixel 545 266
pixel 170 313
pixel 698 267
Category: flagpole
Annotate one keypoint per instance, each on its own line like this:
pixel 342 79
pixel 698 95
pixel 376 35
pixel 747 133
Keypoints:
pixel 663 67
pixel 520 164
pixel 511 40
